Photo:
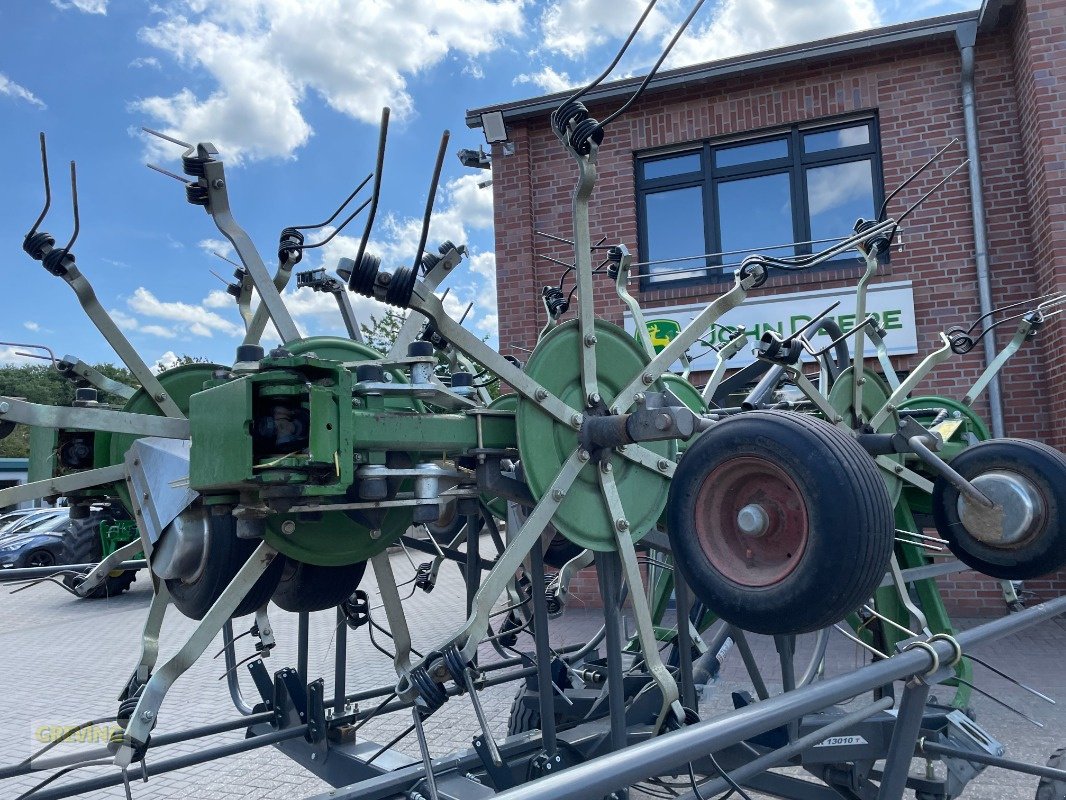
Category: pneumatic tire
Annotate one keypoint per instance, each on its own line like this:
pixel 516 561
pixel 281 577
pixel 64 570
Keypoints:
pixel 307 587
pixel 82 545
pixel 226 554
pixel 1031 548
pixel 780 522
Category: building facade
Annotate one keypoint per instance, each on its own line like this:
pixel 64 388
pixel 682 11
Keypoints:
pixel 791 146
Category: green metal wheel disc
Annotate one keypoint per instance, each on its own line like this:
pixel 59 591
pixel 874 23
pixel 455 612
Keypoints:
pixel 497 505
pixel 180 384
pixel 544 444
pixel 335 539
pixel 875 393
pixel 685 391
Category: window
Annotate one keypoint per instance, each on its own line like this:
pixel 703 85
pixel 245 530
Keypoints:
pixel 703 210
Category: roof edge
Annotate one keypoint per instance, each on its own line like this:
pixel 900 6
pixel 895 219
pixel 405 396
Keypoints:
pixel 908 32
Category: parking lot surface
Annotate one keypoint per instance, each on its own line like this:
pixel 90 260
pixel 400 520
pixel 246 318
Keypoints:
pixel 63 661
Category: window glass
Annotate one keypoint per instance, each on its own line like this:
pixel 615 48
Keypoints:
pixel 755 215
pixel 747 153
pixel 675 230
pixel 820 141
pixel 838 195
pixel 677 165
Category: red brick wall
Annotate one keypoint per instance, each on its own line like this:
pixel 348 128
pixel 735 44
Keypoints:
pixel 916 92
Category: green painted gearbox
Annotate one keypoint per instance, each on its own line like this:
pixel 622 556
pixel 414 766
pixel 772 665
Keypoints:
pixel 545 444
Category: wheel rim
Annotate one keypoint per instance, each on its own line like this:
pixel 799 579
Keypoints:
pixel 751 521
pixel 1020 510
pixel 40 560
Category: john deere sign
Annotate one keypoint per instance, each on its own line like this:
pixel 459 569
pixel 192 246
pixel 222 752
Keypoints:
pixel 891 303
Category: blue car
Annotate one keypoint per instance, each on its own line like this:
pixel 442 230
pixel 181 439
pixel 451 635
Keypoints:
pixel 38 546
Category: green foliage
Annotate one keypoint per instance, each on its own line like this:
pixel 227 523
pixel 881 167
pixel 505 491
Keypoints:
pixel 43 384
pixel 180 361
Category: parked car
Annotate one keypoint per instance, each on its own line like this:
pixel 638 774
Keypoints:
pixel 19 521
pixel 39 545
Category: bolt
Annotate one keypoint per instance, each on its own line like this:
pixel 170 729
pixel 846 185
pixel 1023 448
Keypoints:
pixel 621 524
pixel 891 408
pixel 548 765
pixel 558 495
pixel 144 495
pixel 136 462
pixel 640 398
pixel 861 381
pixel 161 396
pixel 898 470
pixel 147 715
pixel 218 183
pixel 541 394
pixel 663 464
pixel 606 466
pixel 663 422
pixel 576 420
pixel 375 533
pixel 583 455
pixel 648 378
pixel 314 756
pixel 590 340
pixel 4 408
pixel 838 418
pixel 594 398
pixel 288 527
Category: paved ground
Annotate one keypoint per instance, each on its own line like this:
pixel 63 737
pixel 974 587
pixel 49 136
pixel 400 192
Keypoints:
pixel 62 661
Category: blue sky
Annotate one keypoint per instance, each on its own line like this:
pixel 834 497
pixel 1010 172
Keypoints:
pixel 291 92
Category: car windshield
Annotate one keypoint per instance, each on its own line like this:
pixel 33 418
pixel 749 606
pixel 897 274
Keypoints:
pixel 29 520
pixel 52 523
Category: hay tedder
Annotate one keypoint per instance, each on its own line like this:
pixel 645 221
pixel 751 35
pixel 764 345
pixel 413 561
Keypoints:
pixel 278 477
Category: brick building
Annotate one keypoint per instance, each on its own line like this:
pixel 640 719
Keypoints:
pixel 792 145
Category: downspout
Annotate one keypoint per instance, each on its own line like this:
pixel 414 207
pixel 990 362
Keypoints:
pixel 966 38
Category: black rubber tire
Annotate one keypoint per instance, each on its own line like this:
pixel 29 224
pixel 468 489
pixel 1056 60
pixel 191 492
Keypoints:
pixel 43 557
pixel 227 553
pixel 82 545
pixel 306 587
pixel 850 534
pixel 523 717
pixel 1044 550
pixel 839 358
pixel 1049 789
pixel 447 527
pixel 560 550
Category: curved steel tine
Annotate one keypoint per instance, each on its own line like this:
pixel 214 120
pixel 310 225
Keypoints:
pixel 871 610
pixel 430 199
pixel 926 196
pixel 462 319
pixel 1051 301
pixel 340 208
pixel 171 139
pixel 378 166
pixel 51 353
pixel 1008 307
pixel 227 260
pixel 168 173
pixel 996 700
pixel 1015 681
pixel 339 228
pixel 47 189
pixel 74 203
pixel 24 585
pixel 921 169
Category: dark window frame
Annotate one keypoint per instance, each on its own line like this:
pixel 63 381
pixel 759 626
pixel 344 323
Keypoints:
pixel 796 164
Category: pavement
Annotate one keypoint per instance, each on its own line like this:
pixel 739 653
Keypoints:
pixel 64 660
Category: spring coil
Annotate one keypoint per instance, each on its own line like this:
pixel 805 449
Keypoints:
pixel 363 275
pixel 572 111
pixel 555 301
pixel 196 194
pixel 290 246
pixel 401 287
pixel 58 261
pixel 456 664
pixel 961 341
pixel 430 693
pixel 584 134
pixel 35 245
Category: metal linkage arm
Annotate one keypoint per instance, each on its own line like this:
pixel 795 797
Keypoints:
pixel 55 487
pixel 1025 329
pixel 912 380
pixel 684 340
pixel 74 366
pixel 858 356
pixel 214 182
pixel 631 302
pixel 730 349
pixel 98 419
pixel 262 313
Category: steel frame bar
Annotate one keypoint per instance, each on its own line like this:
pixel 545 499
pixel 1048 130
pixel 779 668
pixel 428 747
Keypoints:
pixel 662 754
pixel 98 419
pixel 62 485
pixel 257 324
pixel 75 365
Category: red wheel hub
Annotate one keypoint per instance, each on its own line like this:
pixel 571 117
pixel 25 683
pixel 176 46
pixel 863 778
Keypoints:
pixel 751 521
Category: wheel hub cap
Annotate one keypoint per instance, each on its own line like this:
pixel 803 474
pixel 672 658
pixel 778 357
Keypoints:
pixel 1022 509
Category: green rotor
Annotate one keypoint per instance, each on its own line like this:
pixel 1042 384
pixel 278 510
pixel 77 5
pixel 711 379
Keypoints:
pixel 875 393
pixel 544 444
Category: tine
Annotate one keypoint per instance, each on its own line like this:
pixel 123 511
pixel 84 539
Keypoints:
pixel 890 621
pixel 186 145
pixel 74 203
pixel 378 167
pixel 47 188
pixel 168 173
pixel 996 700
pixel 921 169
pixel 1015 681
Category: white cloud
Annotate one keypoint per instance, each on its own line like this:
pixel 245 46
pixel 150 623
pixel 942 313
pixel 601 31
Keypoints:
pixel 748 26
pixel 262 67
pixel 10 355
pixel 12 89
pixel 217 247
pixel 88 6
pixel 217 298
pixel 547 79
pixel 573 27
pixel 124 320
pixel 149 61
pixel 166 361
pixel 31 326
pixel 194 319
pixel 158 330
